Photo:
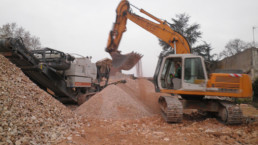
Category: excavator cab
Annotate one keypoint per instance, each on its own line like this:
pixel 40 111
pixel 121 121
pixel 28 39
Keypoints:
pixel 185 75
pixel 180 72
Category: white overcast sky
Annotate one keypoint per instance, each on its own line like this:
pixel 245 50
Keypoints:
pixel 82 26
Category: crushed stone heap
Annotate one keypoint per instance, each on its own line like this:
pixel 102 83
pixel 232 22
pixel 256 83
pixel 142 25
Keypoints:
pixel 112 103
pixel 28 114
pixel 133 100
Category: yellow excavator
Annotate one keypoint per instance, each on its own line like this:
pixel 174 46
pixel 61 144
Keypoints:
pixel 180 73
pixel 160 29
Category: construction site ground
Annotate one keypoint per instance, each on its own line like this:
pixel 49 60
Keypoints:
pixel 111 120
pixel 153 130
pixel 126 113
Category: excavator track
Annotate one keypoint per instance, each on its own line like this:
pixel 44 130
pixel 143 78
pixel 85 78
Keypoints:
pixel 231 113
pixel 172 109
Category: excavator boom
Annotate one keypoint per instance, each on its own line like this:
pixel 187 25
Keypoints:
pixel 160 29
pixel 163 31
pixel 120 61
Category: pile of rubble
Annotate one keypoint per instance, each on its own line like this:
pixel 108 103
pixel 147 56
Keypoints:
pixel 112 103
pixel 132 100
pixel 143 91
pixel 28 114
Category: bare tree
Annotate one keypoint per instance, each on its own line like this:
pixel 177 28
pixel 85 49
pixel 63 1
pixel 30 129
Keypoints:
pixel 7 30
pixel 12 30
pixel 233 47
pixel 35 43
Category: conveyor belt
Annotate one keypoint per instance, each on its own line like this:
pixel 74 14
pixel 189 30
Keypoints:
pixel 43 75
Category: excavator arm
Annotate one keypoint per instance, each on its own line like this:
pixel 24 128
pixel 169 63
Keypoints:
pixel 162 31
pixel 119 61
pixel 158 28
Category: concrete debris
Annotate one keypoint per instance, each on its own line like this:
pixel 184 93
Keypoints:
pixel 28 114
pixel 122 101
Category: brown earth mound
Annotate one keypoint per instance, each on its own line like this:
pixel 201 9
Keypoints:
pixel 143 90
pixel 28 114
pixel 112 103
pixel 132 100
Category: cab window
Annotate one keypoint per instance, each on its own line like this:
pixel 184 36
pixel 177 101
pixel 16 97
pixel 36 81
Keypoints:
pixel 194 72
pixel 170 71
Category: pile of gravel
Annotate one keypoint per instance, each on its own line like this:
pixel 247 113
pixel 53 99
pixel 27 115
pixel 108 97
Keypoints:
pixel 132 100
pixel 28 114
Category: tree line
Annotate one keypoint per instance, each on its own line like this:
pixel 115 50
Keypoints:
pixel 200 47
pixel 179 24
pixel 13 30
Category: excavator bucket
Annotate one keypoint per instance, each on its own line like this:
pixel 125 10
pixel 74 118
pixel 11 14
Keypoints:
pixel 125 62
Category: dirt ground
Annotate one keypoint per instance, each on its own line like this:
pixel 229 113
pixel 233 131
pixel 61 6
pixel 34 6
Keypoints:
pixel 194 129
pixel 112 125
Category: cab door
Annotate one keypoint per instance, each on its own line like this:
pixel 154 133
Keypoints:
pixel 165 74
pixel 194 74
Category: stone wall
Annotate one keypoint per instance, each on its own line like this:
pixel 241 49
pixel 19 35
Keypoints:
pixel 247 61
